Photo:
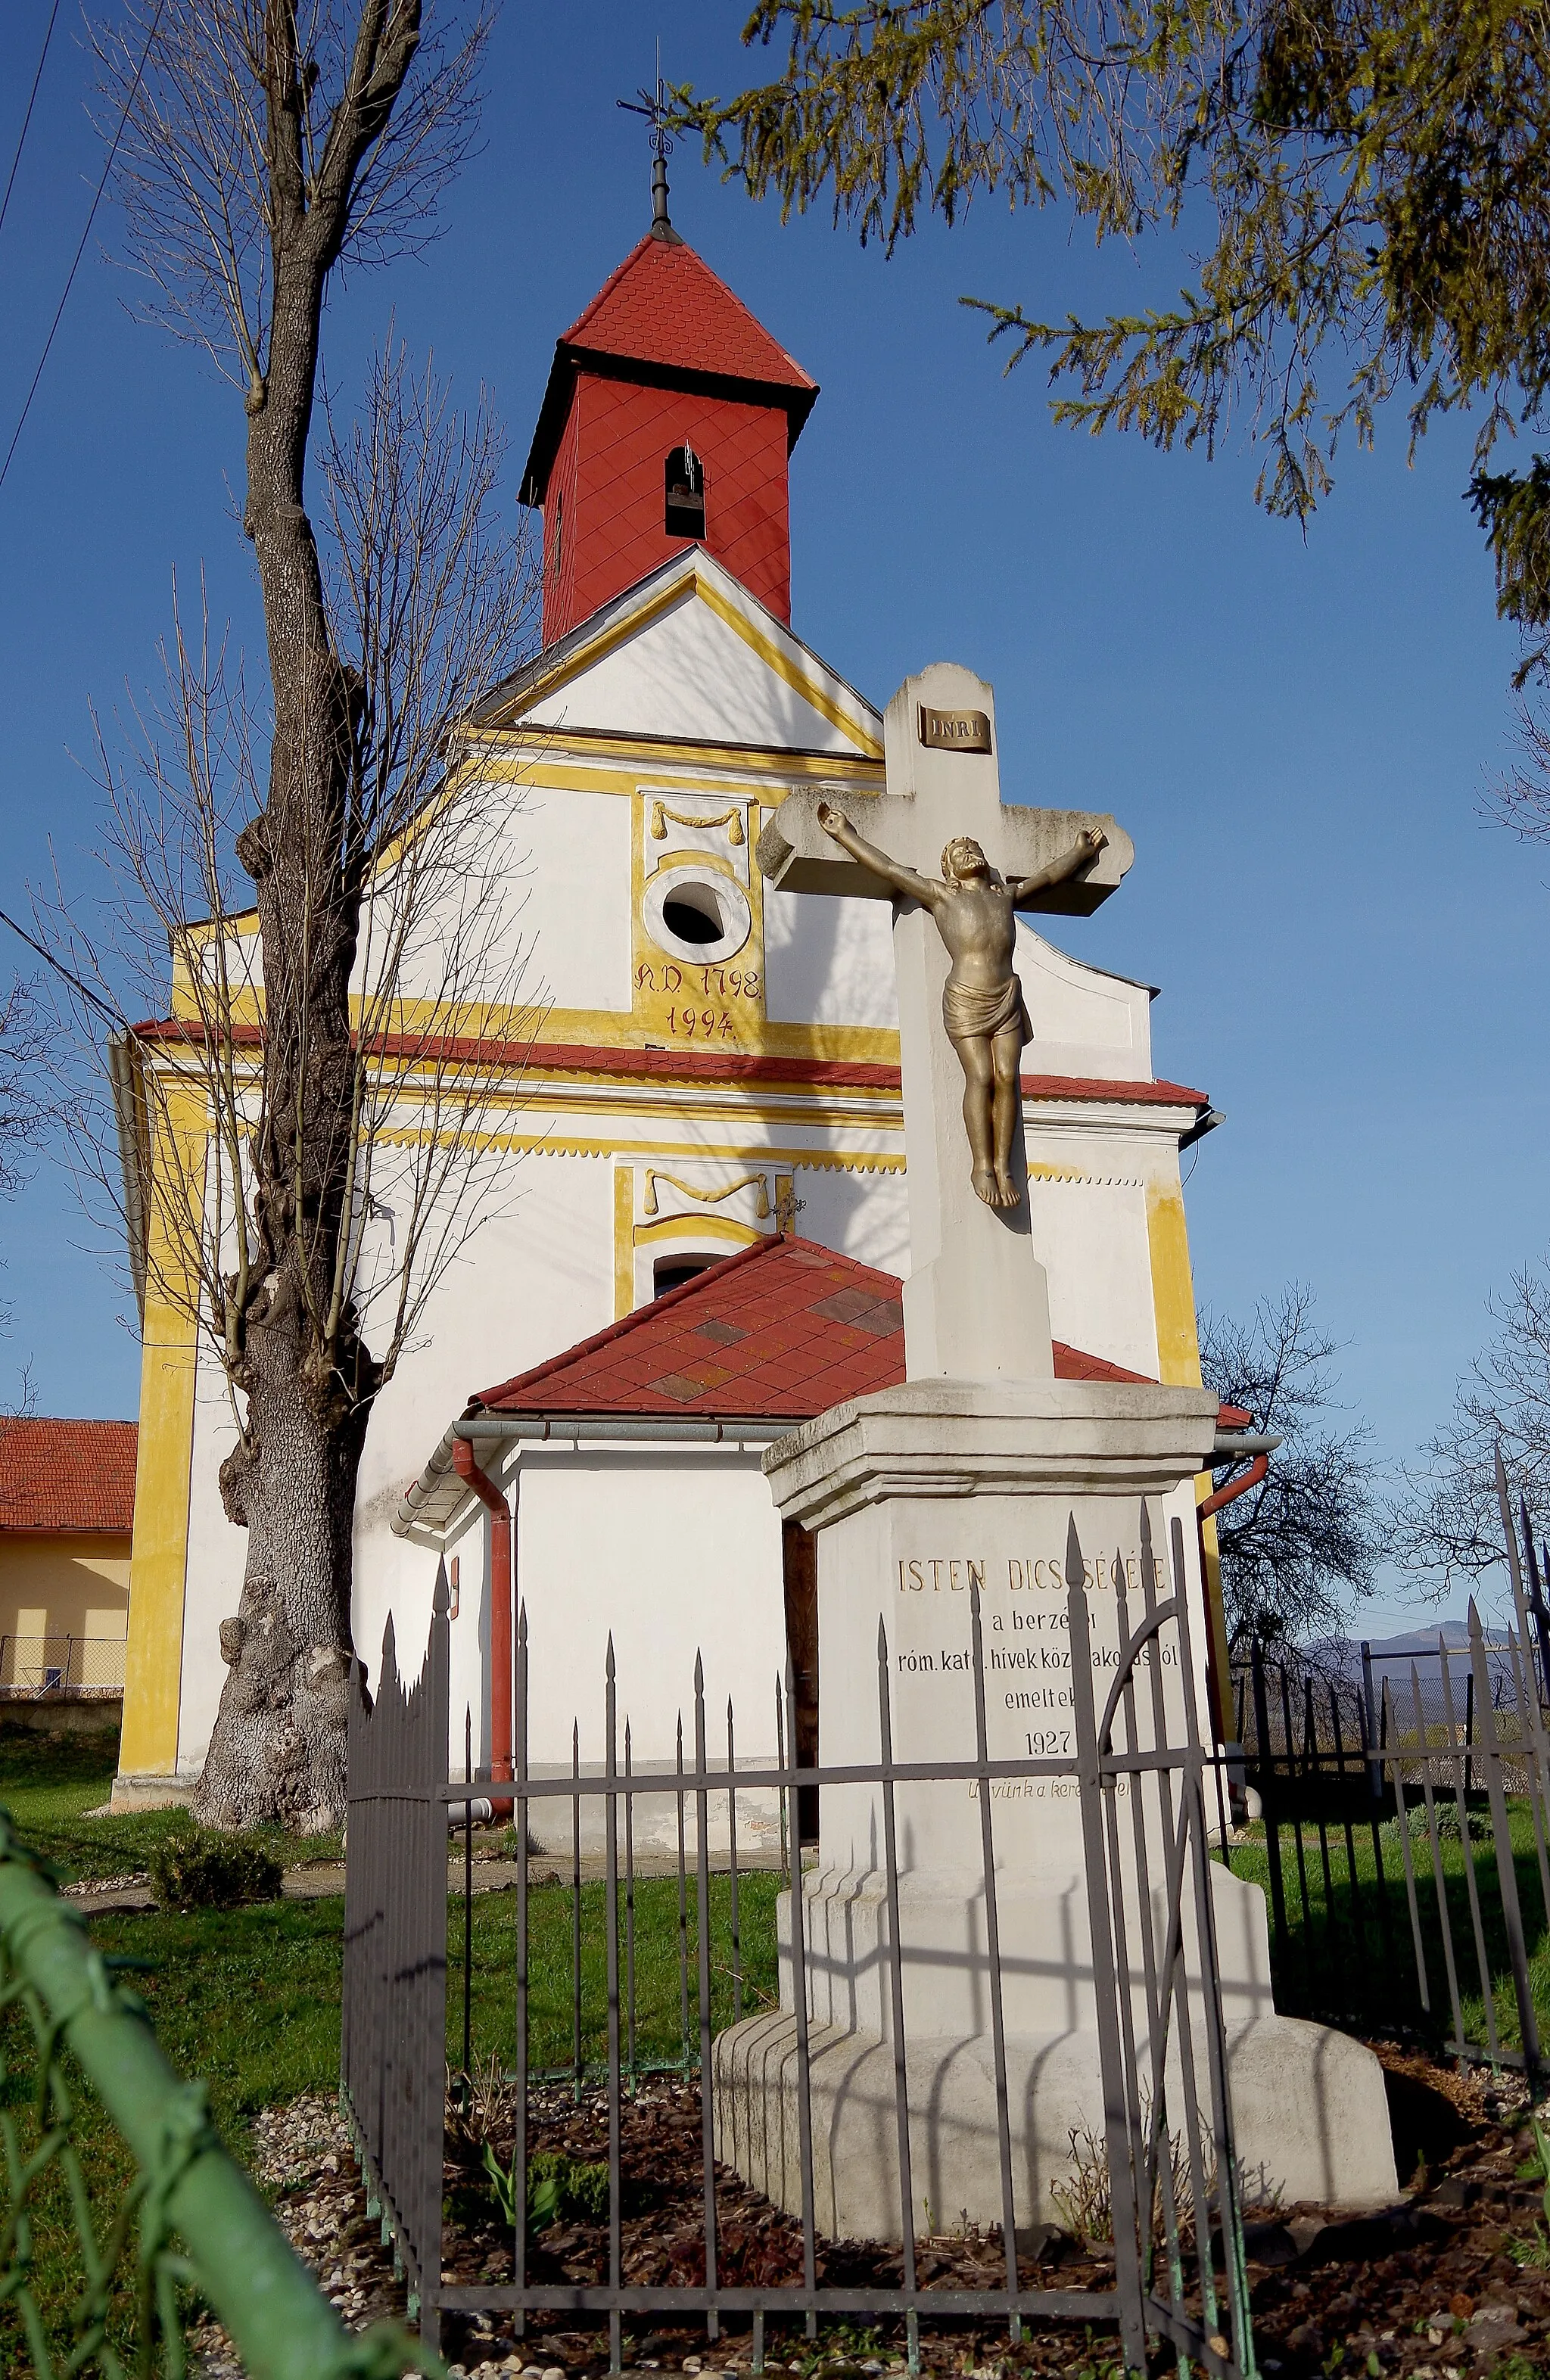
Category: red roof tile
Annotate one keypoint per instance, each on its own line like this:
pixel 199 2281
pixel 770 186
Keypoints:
pixel 67 1477
pixel 663 318
pixel 665 306
pixel 780 1332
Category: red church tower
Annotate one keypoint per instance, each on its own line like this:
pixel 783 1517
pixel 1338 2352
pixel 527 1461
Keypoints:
pixel 668 420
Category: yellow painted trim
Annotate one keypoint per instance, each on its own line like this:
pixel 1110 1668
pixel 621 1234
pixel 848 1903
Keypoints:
pixel 1215 1611
pixel 1178 1365
pixel 624 1245
pixel 697 1226
pixel 814 1161
pixel 713 1193
pixel 1173 1288
pixel 154 1655
pixel 619 759
pixel 590 1091
pixel 613 1028
pixel 799 679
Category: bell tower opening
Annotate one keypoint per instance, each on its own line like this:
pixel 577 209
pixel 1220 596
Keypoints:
pixel 685 476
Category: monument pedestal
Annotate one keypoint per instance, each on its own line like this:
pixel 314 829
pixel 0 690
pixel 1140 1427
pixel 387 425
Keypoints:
pixel 915 1493
pixel 969 1477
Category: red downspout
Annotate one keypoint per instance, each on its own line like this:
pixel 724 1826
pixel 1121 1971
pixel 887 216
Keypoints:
pixel 490 1495
pixel 1221 1688
pixel 1235 1488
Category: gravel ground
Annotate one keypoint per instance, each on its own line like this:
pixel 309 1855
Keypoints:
pixel 1452 2283
pixel 302 2155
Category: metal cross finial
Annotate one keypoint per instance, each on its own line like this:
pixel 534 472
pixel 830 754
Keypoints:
pixel 653 105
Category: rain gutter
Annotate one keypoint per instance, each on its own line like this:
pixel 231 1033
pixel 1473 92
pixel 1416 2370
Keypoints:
pixel 495 1431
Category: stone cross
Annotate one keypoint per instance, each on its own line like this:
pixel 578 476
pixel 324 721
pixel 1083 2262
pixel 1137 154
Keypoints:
pixel 976 1303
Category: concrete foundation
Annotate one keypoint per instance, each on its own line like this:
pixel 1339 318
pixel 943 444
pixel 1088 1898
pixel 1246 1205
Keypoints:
pixel 1311 2121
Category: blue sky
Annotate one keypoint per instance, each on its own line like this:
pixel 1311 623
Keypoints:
pixel 1298 733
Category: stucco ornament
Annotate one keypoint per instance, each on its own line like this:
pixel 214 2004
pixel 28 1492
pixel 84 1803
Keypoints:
pixel 983 1010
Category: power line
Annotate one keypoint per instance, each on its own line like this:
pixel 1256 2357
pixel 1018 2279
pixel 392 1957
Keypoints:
pixel 119 135
pixel 21 137
pixel 113 1018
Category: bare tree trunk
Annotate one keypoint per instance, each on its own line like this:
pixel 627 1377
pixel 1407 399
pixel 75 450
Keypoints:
pixel 262 143
pixel 277 1751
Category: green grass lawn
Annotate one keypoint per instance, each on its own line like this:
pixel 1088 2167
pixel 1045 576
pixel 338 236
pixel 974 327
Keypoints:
pixel 658 2000
pixel 1349 1952
pixel 48 1783
pixel 247 1999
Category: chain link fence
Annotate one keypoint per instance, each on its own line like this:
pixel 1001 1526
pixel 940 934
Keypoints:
pixel 190 2226
pixel 61 1665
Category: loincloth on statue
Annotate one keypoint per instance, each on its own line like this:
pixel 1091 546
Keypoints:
pixel 972 1015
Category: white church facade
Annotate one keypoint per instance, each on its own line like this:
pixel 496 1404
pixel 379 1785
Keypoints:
pixel 714 1076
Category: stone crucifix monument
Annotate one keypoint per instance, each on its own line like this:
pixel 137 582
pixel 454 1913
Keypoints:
pixel 973 1470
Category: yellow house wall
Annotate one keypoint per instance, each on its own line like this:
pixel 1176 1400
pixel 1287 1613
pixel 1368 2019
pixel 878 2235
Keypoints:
pixel 64 1586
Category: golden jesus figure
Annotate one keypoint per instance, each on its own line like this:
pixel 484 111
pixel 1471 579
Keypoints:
pixel 981 1000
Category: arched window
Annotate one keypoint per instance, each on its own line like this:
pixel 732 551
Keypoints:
pixel 685 476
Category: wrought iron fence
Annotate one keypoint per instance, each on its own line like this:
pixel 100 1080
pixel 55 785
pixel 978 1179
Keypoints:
pixel 1402 1835
pixel 54 1665
pixel 1162 2170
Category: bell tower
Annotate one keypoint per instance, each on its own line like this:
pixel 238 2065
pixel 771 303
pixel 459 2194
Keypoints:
pixel 668 419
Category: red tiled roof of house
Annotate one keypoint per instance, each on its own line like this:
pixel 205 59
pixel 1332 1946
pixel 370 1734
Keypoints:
pixel 67 1477
pixel 663 306
pixel 780 1332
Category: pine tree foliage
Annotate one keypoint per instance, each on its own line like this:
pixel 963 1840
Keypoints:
pixel 1364 186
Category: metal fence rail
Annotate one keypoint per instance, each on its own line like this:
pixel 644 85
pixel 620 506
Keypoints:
pixel 1404 1848
pixel 1166 2141
pixel 392 2048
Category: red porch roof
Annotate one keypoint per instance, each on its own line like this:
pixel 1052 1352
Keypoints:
pixel 779 1331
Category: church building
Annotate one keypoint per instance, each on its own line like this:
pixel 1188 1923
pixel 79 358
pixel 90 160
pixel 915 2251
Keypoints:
pixel 706 1228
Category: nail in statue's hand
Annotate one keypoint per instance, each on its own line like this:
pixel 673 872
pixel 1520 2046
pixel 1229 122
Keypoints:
pixel 833 822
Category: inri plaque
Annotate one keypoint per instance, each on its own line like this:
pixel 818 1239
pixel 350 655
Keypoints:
pixel 954 731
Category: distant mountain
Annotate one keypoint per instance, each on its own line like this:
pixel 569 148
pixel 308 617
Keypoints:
pixel 1455 1634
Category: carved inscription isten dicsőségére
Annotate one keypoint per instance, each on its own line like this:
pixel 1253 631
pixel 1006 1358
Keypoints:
pixel 1024 1629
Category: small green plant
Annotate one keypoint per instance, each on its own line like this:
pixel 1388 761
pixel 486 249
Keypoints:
pixel 1445 1809
pixel 1535 2253
pixel 195 1867
pixel 557 2186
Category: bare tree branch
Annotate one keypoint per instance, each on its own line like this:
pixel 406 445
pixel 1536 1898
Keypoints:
pixel 260 127
pixel 1451 1525
pixel 431 600
pixel 1298 1548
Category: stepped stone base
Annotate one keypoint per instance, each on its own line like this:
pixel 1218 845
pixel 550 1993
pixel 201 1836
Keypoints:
pixel 1310 2114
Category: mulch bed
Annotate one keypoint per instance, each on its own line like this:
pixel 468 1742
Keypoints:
pixel 1429 2289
